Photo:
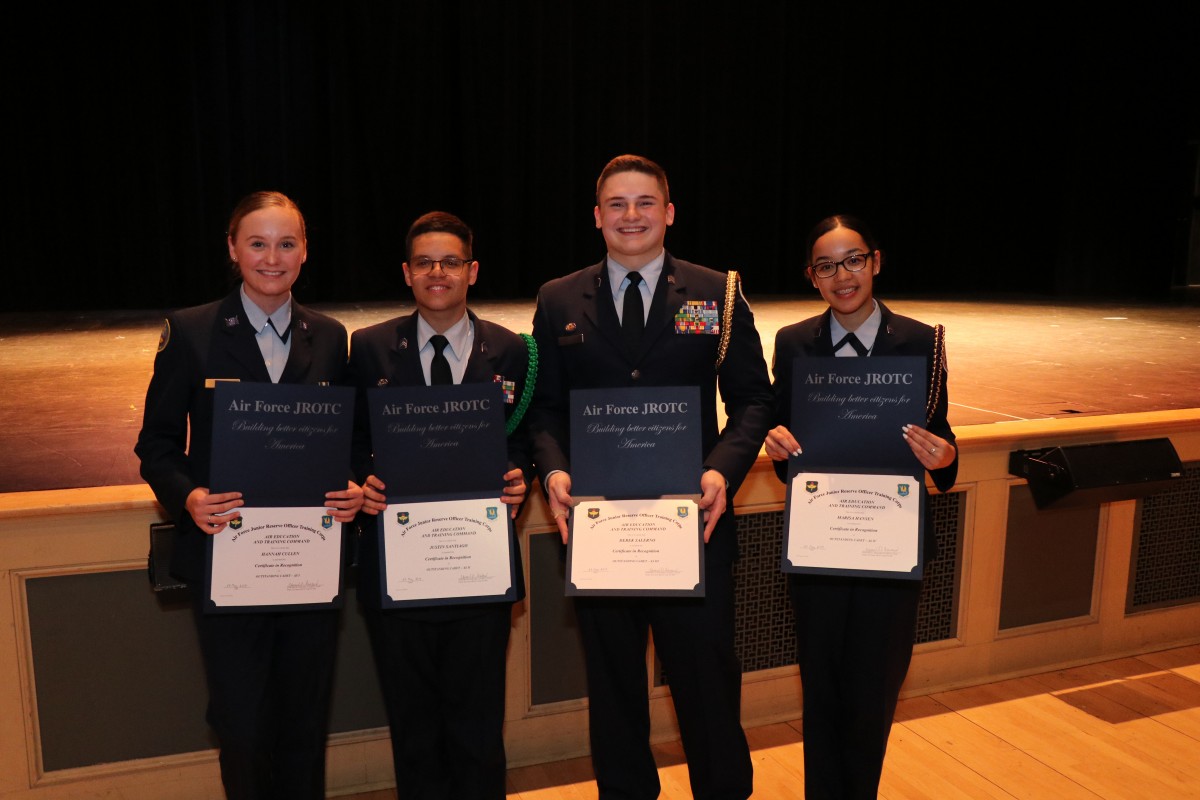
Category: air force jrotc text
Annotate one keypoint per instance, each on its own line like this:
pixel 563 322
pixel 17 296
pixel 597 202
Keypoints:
pixel 301 407
pixel 447 407
pixel 645 408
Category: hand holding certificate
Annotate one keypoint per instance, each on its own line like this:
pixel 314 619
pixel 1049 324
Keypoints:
pixel 854 505
pixel 637 529
pixel 283 446
pixel 445 536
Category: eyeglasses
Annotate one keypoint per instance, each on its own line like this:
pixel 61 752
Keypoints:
pixel 450 265
pixel 854 263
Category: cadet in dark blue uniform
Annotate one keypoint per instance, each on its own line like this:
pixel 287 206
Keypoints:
pixel 442 669
pixel 855 635
pixel 269 674
pixel 578 328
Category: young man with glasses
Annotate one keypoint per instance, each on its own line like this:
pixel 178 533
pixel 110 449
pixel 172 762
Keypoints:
pixel 442 668
pixel 585 339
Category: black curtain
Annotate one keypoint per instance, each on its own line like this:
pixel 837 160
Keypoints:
pixel 994 151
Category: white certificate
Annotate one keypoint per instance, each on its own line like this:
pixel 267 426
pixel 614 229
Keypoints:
pixel 853 524
pixel 284 556
pixel 636 547
pixel 446 550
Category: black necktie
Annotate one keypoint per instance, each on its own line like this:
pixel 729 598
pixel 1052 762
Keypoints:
pixel 282 336
pixel 853 341
pixel 439 367
pixel 633 318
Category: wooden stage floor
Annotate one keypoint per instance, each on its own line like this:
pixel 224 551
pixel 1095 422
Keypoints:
pixel 1127 729
pixel 74 383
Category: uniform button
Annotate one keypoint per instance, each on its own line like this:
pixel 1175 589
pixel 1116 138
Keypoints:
pixel 636 374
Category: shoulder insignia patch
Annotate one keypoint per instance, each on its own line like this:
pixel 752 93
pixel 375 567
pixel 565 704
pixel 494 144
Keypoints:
pixel 164 337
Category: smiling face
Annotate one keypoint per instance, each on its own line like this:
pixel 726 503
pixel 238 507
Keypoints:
pixel 633 215
pixel 848 293
pixel 268 249
pixel 441 298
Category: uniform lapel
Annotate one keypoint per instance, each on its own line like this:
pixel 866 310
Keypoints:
pixel 480 368
pixel 300 353
pixel 599 308
pixel 823 340
pixel 885 340
pixel 404 359
pixel 234 342
pixel 669 294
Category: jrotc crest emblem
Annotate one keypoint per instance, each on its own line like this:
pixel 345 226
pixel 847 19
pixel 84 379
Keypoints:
pixel 492 513
pixel 236 523
pixel 402 517
pixel 810 486
pixel 902 489
pixel 682 511
pixel 327 521
pixel 164 335
pixel 593 513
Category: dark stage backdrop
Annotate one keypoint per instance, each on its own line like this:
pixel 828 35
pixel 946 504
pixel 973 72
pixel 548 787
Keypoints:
pixel 994 150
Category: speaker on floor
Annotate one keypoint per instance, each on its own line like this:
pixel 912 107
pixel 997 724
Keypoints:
pixel 1086 474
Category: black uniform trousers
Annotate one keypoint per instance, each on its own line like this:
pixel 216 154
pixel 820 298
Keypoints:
pixel 694 641
pixel 444 693
pixel 266 674
pixel 854 645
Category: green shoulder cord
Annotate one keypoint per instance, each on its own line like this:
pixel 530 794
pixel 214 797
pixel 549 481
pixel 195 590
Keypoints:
pixel 530 382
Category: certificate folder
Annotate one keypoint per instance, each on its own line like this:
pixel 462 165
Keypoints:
pixel 848 412
pixel 432 440
pixel 635 471
pixel 283 446
pixel 635 442
pixel 854 500
pixel 445 537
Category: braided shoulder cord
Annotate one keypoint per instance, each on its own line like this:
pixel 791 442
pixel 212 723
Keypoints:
pixel 530 382
pixel 731 283
pixel 935 371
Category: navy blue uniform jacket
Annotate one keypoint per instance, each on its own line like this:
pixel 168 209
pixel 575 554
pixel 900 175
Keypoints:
pixel 216 341
pixel 898 336
pixel 386 354
pixel 580 345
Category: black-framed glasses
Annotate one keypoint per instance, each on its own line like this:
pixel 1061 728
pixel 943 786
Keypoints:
pixel 852 263
pixel 451 265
